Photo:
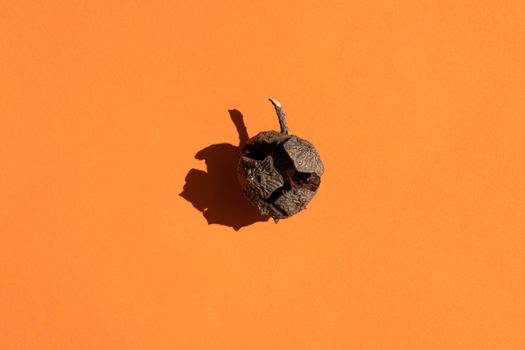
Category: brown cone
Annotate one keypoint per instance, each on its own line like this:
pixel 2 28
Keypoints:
pixel 278 172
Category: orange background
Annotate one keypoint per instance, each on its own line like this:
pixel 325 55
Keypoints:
pixel 414 241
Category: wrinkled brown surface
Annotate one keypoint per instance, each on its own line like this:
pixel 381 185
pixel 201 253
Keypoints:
pixel 279 173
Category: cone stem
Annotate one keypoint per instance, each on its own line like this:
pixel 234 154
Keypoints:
pixel 280 115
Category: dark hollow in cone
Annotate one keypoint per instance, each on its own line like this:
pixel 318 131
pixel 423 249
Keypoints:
pixel 278 172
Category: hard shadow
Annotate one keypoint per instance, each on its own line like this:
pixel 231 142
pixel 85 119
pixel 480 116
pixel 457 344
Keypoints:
pixel 216 192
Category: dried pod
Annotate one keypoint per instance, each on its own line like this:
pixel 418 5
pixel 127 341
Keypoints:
pixel 278 172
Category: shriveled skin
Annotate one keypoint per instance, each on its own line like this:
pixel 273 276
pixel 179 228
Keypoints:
pixel 279 173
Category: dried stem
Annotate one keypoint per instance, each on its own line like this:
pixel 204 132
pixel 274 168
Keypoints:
pixel 280 115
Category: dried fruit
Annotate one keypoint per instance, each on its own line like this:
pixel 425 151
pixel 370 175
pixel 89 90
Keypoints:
pixel 278 172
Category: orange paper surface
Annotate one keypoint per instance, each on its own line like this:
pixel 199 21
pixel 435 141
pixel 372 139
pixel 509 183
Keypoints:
pixel 415 239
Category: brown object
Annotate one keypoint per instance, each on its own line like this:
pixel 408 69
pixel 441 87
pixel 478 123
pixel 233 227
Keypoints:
pixel 278 172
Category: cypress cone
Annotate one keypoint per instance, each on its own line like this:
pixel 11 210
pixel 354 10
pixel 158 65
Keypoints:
pixel 278 172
